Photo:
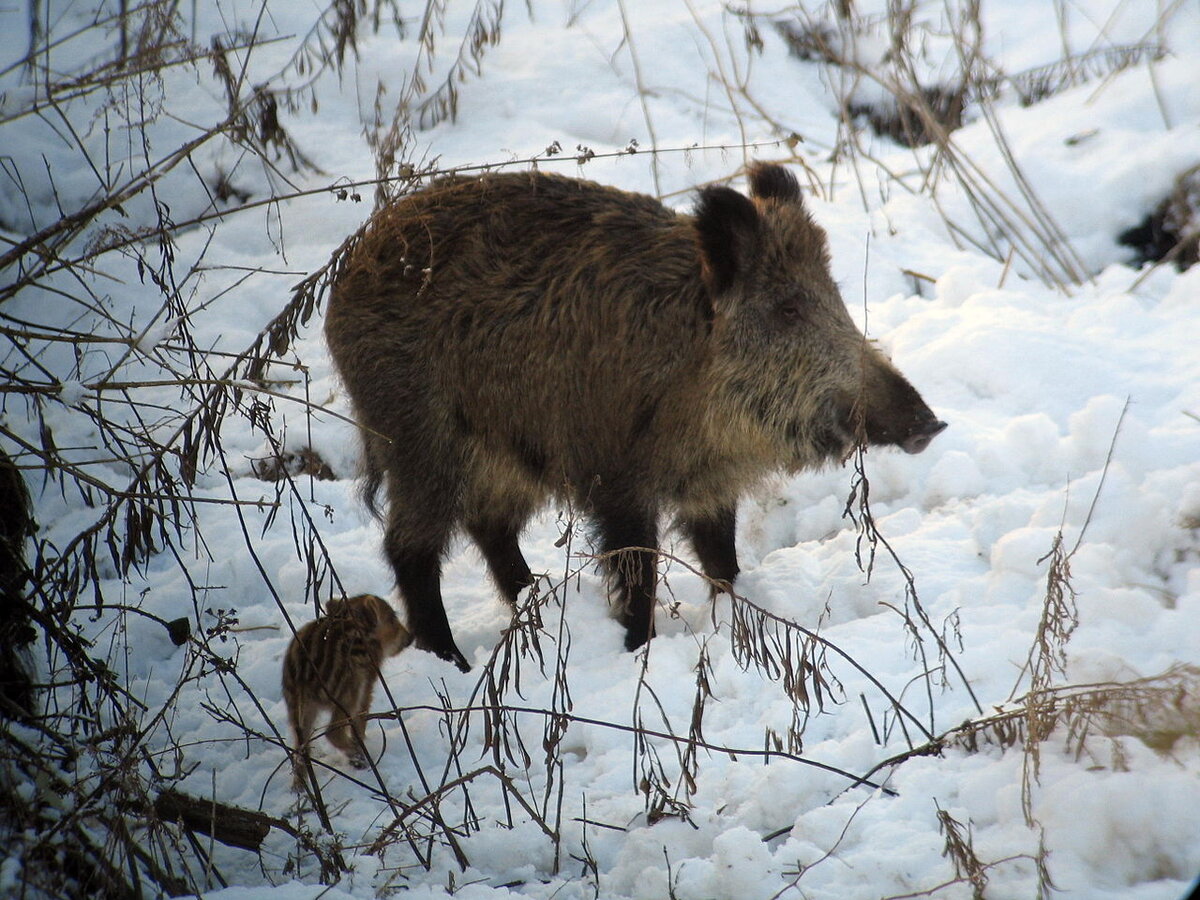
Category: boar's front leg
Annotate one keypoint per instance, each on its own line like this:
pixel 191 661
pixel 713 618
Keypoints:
pixel 633 572
pixel 712 538
pixel 418 569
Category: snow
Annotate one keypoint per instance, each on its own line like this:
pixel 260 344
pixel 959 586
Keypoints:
pixel 1072 409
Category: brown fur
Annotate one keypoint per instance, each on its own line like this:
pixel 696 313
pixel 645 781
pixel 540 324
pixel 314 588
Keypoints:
pixel 517 337
pixel 331 666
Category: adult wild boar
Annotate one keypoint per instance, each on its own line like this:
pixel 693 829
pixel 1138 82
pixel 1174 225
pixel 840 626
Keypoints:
pixel 511 338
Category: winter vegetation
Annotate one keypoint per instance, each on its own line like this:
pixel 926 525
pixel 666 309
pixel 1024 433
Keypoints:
pixel 969 673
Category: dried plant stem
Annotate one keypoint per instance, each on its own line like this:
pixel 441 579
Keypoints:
pixel 642 91
pixel 681 740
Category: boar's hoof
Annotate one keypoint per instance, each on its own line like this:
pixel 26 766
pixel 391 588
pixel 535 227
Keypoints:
pixel 449 654
pixel 919 440
pixel 637 637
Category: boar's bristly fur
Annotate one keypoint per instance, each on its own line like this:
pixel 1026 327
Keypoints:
pixel 511 338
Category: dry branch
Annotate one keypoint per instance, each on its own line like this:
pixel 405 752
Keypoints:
pixel 241 828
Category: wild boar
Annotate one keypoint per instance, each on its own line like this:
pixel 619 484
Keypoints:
pixel 331 666
pixel 513 338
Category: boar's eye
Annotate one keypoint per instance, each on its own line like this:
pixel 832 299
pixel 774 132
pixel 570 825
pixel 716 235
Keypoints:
pixel 792 308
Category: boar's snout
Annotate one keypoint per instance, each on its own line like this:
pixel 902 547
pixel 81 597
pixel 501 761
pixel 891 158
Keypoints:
pixel 893 413
pixel 919 439
pixel 912 433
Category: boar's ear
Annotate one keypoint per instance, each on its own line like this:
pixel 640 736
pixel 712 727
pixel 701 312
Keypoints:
pixel 727 225
pixel 768 182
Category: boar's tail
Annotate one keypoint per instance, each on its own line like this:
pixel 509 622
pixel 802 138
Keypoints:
pixel 372 480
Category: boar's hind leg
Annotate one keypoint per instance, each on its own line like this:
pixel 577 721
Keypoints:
pixel 302 715
pixel 418 568
pixel 633 571
pixel 713 540
pixel 497 541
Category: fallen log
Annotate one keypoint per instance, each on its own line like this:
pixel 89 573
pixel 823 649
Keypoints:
pixel 231 825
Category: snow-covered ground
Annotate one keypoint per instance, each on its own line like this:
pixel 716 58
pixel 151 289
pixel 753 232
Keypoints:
pixel 1072 409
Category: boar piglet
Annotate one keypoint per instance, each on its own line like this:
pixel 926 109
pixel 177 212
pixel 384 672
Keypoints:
pixel 513 338
pixel 331 667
